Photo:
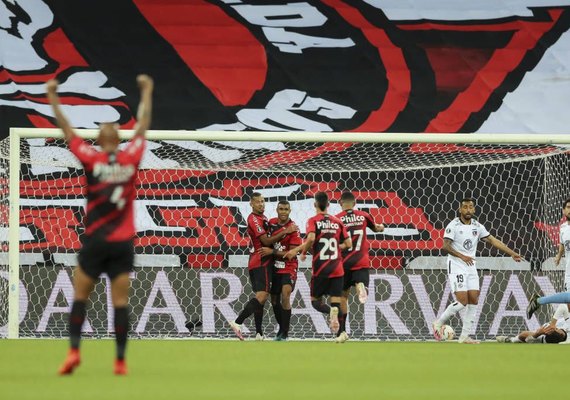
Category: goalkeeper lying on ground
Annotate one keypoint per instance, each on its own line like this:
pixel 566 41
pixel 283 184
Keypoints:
pixel 553 332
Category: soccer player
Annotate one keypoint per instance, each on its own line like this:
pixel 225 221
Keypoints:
pixel 356 260
pixel 460 242
pixel 259 266
pixel 284 270
pixel 553 332
pixel 564 247
pixel 108 239
pixel 327 237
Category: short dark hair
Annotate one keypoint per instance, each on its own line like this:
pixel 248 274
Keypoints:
pixel 322 200
pixel 555 337
pixel 566 203
pixel 347 196
pixel 284 203
pixel 254 195
pixel 467 200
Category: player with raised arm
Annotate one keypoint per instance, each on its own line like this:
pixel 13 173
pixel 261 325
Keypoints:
pixel 553 332
pixel 326 237
pixel 284 271
pixel 108 239
pixel 356 260
pixel 563 250
pixel 259 266
pixel 460 242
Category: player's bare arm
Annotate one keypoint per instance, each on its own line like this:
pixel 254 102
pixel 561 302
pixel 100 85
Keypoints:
pixel 62 122
pixel 493 241
pixel 347 244
pixel 144 114
pixel 559 255
pixel 302 248
pixel 378 228
pixel 447 247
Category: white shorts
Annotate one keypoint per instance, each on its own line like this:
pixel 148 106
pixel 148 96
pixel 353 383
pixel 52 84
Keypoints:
pixel 567 283
pixel 464 281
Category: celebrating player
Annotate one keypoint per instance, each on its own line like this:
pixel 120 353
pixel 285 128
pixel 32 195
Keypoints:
pixel 327 237
pixel 460 242
pixel 553 332
pixel 258 265
pixel 108 240
pixel 284 271
pixel 356 260
pixel 564 247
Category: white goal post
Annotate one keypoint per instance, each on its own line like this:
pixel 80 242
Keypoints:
pixel 192 202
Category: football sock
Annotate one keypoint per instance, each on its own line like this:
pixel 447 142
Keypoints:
pixel 258 317
pixel 278 311
pixel 468 319
pixel 342 323
pixel 451 310
pixel 121 330
pixel 320 306
pixel 515 339
pixel 76 318
pixel 250 307
pixel 558 298
pixel 286 319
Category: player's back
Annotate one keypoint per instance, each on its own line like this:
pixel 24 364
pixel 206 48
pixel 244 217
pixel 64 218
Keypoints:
pixel 329 234
pixel 356 223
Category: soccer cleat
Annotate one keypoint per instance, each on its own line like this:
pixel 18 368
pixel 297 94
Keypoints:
pixel 467 340
pixel 532 306
pixel 437 331
pixel 120 367
pixel 343 337
pixel 362 293
pixel 280 338
pixel 237 329
pixel 333 319
pixel 503 339
pixel 71 362
pixel 259 337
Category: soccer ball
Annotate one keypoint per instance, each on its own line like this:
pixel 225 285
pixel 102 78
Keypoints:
pixel 447 332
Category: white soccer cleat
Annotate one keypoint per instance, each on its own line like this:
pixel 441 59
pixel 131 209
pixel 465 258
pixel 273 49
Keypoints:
pixel 237 329
pixel 503 339
pixel 259 337
pixel 437 331
pixel 333 319
pixel 343 337
pixel 362 292
pixel 467 340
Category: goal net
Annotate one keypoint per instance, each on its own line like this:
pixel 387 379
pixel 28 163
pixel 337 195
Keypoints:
pixel 192 247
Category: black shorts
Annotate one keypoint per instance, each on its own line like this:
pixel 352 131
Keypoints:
pixel 321 286
pixel 351 278
pixel 260 279
pixel 279 280
pixel 113 258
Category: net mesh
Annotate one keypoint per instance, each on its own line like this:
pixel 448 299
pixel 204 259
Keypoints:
pixel 192 246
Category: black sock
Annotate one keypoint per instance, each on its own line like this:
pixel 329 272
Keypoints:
pixel 121 330
pixel 320 306
pixel 76 318
pixel 278 311
pixel 258 317
pixel 342 323
pixel 286 318
pixel 250 307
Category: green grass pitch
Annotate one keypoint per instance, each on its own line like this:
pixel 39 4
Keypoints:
pixel 194 369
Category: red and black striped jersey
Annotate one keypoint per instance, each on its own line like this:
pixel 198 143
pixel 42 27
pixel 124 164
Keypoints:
pixel 257 225
pixel 356 222
pixel 292 240
pixel 111 188
pixel 329 234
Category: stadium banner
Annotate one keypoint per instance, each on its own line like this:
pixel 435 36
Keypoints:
pixel 401 306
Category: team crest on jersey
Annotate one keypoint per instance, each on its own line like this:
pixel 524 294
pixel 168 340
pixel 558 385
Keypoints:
pixel 468 244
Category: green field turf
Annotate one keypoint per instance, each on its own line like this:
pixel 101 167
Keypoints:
pixel 191 369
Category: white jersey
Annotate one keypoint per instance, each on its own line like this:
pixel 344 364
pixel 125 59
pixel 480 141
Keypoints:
pixel 465 239
pixel 565 241
pixel 562 317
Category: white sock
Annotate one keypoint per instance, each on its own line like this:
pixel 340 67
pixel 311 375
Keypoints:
pixel 515 339
pixel 469 319
pixel 450 311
